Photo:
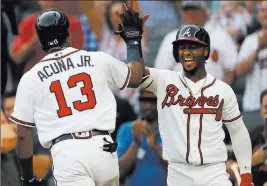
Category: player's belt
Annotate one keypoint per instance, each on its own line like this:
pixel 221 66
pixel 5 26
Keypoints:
pixel 79 135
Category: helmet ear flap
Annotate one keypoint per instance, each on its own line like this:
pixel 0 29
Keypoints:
pixel 175 53
pixel 207 53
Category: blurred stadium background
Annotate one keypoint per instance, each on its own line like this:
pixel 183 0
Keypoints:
pixel 92 30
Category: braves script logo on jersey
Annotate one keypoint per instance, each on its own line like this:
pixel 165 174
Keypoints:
pixel 169 100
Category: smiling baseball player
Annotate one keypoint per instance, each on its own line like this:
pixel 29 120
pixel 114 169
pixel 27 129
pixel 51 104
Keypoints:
pixel 192 107
pixel 67 97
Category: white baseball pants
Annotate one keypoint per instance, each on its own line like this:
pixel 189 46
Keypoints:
pixel 181 174
pixel 82 162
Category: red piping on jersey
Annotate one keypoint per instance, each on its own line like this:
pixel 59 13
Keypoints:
pixel 127 78
pixel 200 122
pixel 188 137
pixel 200 110
pixel 187 129
pixel 218 116
pixel 231 120
pixel 216 111
pixel 57 58
pixel 199 139
pixel 21 122
pixel 182 82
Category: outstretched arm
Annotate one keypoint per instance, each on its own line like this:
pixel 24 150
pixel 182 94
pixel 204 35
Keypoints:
pixel 137 70
pixel 240 138
pixel 131 31
pixel 242 148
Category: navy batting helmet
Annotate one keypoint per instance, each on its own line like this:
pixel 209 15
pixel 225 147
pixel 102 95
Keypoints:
pixel 52 28
pixel 191 33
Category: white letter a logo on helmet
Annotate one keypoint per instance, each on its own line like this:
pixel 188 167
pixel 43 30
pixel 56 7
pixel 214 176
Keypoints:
pixel 187 32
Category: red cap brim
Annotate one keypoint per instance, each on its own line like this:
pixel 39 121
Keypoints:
pixel 189 39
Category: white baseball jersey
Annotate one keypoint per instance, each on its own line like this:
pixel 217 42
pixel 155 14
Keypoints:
pixel 223 54
pixel 191 125
pixel 256 79
pixel 68 91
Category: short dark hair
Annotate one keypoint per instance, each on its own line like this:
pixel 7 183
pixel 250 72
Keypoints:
pixel 263 93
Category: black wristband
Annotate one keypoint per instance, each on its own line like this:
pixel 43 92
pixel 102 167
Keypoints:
pixel 26 168
pixel 134 50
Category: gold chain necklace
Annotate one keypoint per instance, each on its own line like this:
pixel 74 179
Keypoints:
pixel 191 92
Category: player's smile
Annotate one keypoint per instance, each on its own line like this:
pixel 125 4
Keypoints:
pixel 188 55
pixel 189 61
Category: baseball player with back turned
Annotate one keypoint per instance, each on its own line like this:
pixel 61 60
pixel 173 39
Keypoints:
pixel 67 97
pixel 192 107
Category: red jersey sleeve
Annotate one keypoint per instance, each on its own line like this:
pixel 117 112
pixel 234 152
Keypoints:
pixel 76 32
pixel 26 31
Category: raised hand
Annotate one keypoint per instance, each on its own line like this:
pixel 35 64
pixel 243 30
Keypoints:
pixel 132 25
pixel 139 129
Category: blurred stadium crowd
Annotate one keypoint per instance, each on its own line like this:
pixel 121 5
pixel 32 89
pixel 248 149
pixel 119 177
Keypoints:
pixel 238 31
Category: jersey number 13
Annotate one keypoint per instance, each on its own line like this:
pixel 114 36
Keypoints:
pixel 87 90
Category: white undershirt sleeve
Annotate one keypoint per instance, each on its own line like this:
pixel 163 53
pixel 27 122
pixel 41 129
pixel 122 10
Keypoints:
pixel 241 145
